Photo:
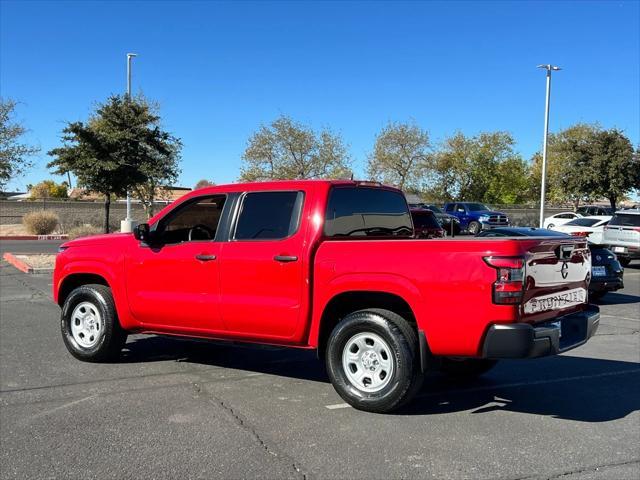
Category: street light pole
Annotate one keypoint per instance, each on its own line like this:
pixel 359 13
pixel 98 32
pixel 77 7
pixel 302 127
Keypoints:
pixel 127 224
pixel 549 68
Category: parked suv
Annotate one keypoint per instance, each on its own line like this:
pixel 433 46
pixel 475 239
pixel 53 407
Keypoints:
pixel 622 234
pixel 475 217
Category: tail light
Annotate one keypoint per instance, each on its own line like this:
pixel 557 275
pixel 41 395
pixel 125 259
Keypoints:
pixel 581 234
pixel 508 289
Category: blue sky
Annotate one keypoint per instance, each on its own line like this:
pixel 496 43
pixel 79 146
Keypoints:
pixel 219 70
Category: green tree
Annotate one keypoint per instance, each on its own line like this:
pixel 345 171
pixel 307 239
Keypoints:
pixel 482 168
pixel 121 147
pixel 569 171
pixel 289 150
pixel 49 189
pixel 401 156
pixel 14 155
pixel 203 183
pixel 615 167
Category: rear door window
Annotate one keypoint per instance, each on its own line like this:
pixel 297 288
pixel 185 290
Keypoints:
pixel 364 211
pixel 269 215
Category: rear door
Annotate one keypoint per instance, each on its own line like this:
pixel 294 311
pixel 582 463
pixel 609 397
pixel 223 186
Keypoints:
pixel 262 279
pixel 623 232
pixel 557 275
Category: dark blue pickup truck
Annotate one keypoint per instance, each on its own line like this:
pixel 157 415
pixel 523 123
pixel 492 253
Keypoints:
pixel 475 217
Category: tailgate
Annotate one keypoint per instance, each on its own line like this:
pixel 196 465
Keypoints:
pixel 557 276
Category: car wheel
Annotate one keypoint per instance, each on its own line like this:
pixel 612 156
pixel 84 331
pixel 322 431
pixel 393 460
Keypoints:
pixel 474 228
pixel 597 295
pixel 624 261
pixel 372 360
pixel 89 324
pixel 466 367
pixel 550 226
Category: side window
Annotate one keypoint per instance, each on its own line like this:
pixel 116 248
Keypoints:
pixel 269 215
pixel 449 207
pixel 196 220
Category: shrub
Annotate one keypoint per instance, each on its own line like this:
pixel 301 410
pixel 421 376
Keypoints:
pixel 40 223
pixel 84 231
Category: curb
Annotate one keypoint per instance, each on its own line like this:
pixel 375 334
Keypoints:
pixel 23 266
pixel 35 237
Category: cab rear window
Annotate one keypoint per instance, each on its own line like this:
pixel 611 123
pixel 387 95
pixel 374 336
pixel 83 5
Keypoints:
pixel 367 212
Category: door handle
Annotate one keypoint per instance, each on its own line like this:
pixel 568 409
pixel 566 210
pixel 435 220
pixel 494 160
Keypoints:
pixel 285 258
pixel 205 258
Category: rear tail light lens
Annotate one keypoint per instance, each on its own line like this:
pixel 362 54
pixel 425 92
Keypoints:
pixel 636 229
pixel 580 234
pixel 508 289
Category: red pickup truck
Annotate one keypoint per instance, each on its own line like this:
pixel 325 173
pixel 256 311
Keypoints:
pixel 331 266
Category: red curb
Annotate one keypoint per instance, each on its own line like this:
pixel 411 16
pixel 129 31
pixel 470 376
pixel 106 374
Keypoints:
pixel 19 264
pixel 35 237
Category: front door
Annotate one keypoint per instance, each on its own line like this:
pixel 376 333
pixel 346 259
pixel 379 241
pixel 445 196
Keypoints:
pixel 174 282
pixel 261 267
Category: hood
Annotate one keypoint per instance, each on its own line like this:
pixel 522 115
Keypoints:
pixel 488 212
pixel 97 240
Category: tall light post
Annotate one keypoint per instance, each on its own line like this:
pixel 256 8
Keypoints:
pixel 127 224
pixel 549 68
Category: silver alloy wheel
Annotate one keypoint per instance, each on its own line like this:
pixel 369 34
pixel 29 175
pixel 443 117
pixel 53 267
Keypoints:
pixel 367 362
pixel 86 324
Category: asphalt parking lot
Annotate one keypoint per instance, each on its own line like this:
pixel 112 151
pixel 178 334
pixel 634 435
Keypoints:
pixel 189 409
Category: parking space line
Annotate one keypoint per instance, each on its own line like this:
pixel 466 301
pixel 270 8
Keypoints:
pixel 337 406
pixel 620 318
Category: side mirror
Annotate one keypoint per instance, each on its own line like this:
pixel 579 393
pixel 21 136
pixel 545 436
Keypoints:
pixel 142 232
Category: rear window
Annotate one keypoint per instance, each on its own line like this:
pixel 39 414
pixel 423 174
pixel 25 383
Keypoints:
pixel 584 222
pixel 424 219
pixel 370 212
pixel 625 220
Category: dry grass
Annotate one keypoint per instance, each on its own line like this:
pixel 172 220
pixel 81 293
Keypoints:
pixel 13 229
pixel 38 260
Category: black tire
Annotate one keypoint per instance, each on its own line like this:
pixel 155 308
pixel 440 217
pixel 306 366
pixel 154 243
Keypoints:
pixel 405 378
pixel 550 226
pixel 110 335
pixel 466 367
pixel 597 295
pixel 624 261
pixel 474 228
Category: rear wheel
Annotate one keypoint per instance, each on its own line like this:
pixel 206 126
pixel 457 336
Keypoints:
pixel 624 261
pixel 89 324
pixel 474 228
pixel 550 226
pixel 372 360
pixel 597 295
pixel 466 367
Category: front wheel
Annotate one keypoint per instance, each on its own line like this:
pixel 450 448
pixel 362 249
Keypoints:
pixel 466 367
pixel 372 360
pixel 89 324
pixel 474 228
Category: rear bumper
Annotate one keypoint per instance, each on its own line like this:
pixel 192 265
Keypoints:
pixel 606 284
pixel 522 340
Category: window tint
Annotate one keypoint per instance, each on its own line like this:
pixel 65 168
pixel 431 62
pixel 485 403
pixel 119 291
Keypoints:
pixel 625 220
pixel 362 211
pixel 433 208
pixel 565 215
pixel 196 220
pixel 449 207
pixel 269 215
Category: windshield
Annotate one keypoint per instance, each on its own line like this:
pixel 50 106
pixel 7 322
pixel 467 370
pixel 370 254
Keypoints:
pixel 433 208
pixel 625 220
pixel 476 207
pixel 583 222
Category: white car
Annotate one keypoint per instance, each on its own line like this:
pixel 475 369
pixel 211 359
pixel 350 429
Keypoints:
pixel 560 219
pixel 623 235
pixel 590 227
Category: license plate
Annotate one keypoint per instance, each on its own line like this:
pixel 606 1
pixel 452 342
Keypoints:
pixel 620 249
pixel 598 271
pixel 556 301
